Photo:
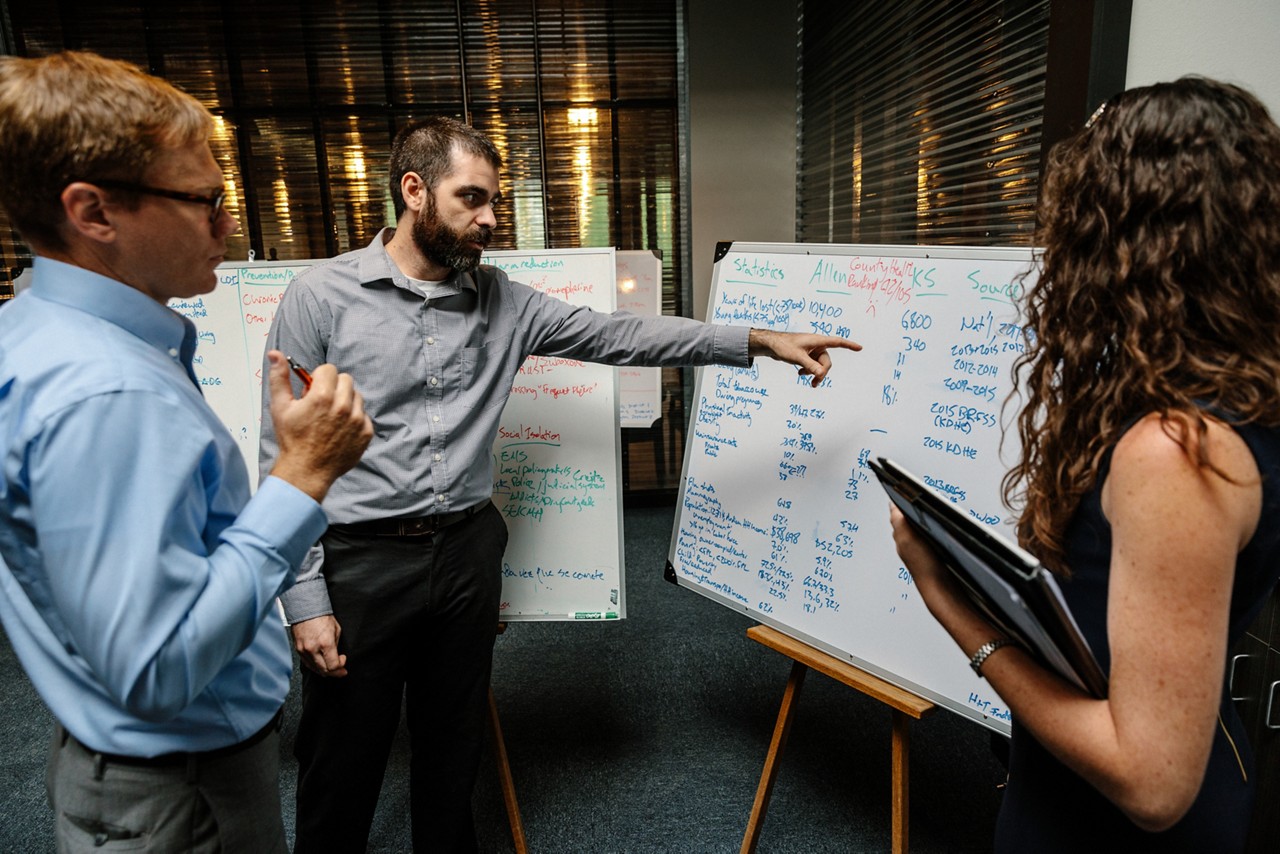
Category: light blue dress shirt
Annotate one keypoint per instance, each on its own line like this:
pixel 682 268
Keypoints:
pixel 137 578
pixel 435 374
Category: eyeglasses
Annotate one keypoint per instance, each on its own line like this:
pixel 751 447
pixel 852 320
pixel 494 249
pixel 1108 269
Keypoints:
pixel 214 202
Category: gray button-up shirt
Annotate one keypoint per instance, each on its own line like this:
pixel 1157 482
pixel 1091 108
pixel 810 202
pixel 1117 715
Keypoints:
pixel 435 375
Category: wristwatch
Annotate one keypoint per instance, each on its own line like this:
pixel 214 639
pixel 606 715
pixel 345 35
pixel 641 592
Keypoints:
pixel 984 652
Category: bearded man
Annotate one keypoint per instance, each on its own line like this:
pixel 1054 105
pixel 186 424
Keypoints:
pixel 399 601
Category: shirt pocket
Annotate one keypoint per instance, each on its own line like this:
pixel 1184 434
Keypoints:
pixel 481 381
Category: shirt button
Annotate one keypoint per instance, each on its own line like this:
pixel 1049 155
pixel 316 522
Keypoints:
pixel 173 351
pixel 435 381
pixel 435 417
pixel 438 457
pixel 430 340
pixel 440 499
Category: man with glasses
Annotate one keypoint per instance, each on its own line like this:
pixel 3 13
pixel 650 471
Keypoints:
pixel 137 577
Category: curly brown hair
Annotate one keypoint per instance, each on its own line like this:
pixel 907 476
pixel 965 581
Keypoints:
pixel 1159 289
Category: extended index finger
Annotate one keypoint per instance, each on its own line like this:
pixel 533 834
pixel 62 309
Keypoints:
pixel 843 343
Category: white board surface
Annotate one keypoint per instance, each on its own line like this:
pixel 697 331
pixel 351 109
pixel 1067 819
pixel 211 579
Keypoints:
pixel 779 515
pixel 557 459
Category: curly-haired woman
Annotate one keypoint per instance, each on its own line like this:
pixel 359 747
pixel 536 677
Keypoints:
pixel 1150 475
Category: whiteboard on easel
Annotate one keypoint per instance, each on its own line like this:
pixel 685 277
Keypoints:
pixel 557 469
pixel 779 515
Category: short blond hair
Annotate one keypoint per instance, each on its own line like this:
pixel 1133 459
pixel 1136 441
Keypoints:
pixel 76 116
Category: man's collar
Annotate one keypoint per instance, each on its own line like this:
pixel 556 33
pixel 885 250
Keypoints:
pixel 110 300
pixel 376 265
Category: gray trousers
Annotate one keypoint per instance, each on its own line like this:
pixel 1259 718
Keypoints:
pixel 227 803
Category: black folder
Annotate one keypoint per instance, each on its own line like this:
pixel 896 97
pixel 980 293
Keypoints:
pixel 1014 590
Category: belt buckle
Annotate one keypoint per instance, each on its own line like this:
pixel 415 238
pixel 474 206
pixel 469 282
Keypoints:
pixel 420 526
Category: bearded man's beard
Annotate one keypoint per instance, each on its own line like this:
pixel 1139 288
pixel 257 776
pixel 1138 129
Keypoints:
pixel 449 248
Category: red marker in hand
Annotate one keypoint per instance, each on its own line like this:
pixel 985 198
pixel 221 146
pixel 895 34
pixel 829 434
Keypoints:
pixel 303 373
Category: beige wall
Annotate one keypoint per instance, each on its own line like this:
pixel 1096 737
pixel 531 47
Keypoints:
pixel 742 123
pixel 1237 41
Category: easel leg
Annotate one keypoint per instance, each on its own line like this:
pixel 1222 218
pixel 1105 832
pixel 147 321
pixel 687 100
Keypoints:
pixel 504 775
pixel 901 761
pixel 780 732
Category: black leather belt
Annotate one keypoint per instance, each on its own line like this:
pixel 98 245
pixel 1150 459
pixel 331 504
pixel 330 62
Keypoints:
pixel 165 760
pixel 408 526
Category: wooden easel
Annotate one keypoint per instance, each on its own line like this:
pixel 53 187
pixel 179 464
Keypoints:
pixel 504 772
pixel 505 778
pixel 905 705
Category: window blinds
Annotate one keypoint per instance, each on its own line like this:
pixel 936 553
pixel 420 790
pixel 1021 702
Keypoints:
pixel 920 121
pixel 580 96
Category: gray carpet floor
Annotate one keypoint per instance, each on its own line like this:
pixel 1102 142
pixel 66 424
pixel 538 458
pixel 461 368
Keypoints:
pixel 645 735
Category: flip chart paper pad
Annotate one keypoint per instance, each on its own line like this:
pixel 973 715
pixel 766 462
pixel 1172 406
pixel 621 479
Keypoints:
pixel 557 458
pixel 780 516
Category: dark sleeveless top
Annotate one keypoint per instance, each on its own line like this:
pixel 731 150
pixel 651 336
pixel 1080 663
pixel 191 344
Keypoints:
pixel 1047 807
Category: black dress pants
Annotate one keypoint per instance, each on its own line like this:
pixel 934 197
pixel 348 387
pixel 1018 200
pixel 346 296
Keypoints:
pixel 418 618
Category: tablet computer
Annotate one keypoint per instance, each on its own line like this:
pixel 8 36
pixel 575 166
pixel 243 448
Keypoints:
pixel 1013 589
